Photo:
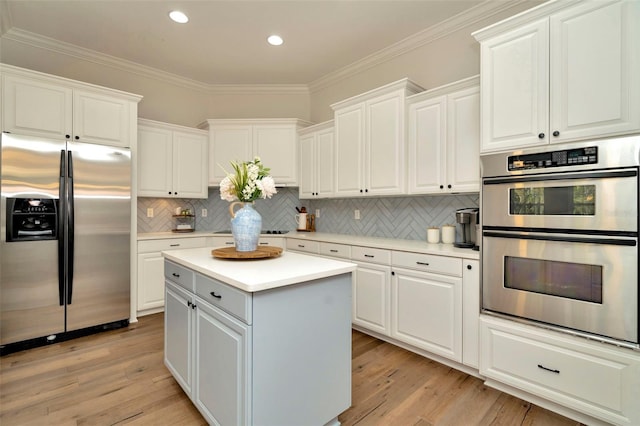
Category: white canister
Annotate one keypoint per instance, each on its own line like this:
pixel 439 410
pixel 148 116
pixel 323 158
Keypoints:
pixel 301 220
pixel 448 234
pixel 433 235
pixel 178 211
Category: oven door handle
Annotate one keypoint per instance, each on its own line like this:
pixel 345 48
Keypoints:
pixel 561 176
pixel 630 242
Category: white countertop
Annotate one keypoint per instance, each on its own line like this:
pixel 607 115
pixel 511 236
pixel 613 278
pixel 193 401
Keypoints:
pixel 354 240
pixel 415 246
pixel 259 274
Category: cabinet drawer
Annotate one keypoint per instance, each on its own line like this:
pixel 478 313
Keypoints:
pixel 371 255
pixel 225 297
pixel 335 250
pixel 428 263
pixel 588 377
pixel 303 245
pixel 179 275
pixel 271 242
pixel 147 246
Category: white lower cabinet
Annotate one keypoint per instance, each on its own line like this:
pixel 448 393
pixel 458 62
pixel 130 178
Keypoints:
pixel 371 297
pixel 427 311
pixel 150 279
pixel 596 379
pixel 470 312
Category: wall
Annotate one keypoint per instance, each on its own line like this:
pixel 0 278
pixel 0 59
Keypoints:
pixel 172 101
pixel 446 56
pixel 390 217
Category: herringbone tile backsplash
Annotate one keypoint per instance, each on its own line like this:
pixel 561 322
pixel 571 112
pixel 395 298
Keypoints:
pixel 391 217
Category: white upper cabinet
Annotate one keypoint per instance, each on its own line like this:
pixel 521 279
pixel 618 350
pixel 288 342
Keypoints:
pixel 316 161
pixel 370 144
pixel 172 161
pixel 51 107
pixel 275 141
pixel 562 71
pixel 444 139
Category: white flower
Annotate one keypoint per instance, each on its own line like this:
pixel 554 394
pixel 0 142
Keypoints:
pixel 267 186
pixel 227 189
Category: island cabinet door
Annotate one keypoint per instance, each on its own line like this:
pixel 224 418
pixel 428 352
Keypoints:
pixel 178 335
pixel 222 348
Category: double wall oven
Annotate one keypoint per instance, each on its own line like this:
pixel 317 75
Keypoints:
pixel 560 237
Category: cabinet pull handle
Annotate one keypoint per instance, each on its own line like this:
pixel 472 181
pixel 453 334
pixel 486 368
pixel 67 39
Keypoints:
pixel 229 243
pixel 176 275
pixel 422 263
pixel 189 303
pixel 217 296
pixel 548 369
pixel 369 255
pixel 301 245
pixel 193 306
pixel 264 244
pixel 333 251
pixel 174 245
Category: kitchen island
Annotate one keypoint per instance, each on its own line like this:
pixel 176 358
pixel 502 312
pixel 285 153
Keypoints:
pixel 264 342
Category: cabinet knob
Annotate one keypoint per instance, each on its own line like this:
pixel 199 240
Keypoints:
pixel 77 138
pixel 540 135
pixel 67 136
pixel 469 267
pixel 449 186
pixel 556 133
pixel 361 191
pixel 441 186
pixel 366 190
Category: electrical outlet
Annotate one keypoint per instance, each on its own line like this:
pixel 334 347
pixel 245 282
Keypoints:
pixel 356 214
pixel 317 213
pixel 150 212
pixel 204 212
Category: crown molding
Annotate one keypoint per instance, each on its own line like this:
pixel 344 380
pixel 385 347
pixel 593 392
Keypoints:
pixel 464 19
pixel 63 48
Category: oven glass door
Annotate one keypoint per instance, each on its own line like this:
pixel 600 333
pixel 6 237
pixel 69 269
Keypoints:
pixel 603 201
pixel 584 283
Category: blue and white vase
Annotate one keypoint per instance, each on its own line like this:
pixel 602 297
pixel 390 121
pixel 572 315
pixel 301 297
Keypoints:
pixel 246 224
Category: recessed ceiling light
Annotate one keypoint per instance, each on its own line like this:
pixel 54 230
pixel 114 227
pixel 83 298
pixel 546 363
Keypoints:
pixel 275 40
pixel 178 17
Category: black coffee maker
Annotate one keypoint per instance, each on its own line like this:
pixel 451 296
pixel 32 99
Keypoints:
pixel 468 220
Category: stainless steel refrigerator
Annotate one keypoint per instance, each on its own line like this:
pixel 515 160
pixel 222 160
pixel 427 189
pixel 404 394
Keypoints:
pixel 65 240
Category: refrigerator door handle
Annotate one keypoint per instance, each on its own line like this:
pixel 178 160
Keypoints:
pixel 70 223
pixel 61 197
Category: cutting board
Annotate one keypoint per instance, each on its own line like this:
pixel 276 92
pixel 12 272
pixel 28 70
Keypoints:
pixel 262 252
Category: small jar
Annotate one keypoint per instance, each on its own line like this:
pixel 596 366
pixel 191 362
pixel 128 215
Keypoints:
pixel 178 211
pixel 448 234
pixel 433 235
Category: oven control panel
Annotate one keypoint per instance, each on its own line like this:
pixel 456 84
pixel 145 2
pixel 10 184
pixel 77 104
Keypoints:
pixel 544 160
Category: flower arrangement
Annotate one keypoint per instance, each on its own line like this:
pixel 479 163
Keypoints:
pixel 250 181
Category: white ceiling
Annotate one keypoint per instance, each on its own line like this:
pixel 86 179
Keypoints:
pixel 225 41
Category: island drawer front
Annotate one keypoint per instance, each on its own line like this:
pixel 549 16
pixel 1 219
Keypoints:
pixel 303 245
pixel 557 368
pixel 428 263
pixel 371 255
pixel 225 297
pixel 149 246
pixel 335 250
pixel 179 275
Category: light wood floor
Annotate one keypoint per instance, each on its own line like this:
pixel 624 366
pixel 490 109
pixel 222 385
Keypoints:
pixel 118 377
